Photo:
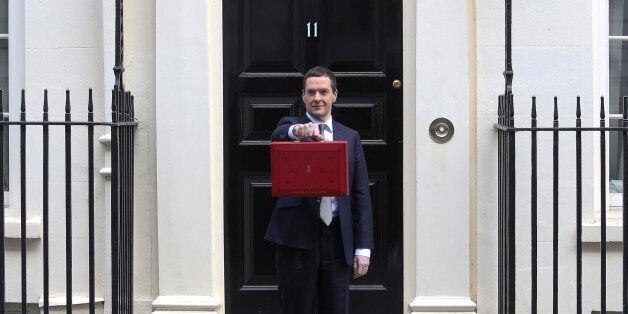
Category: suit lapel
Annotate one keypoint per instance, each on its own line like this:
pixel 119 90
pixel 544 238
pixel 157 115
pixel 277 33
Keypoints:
pixel 304 119
pixel 339 132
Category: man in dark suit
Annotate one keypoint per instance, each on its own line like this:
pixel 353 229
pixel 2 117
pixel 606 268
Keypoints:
pixel 320 242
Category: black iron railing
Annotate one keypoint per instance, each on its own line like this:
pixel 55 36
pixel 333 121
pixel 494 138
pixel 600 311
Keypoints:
pixel 122 126
pixel 507 206
pixel 122 143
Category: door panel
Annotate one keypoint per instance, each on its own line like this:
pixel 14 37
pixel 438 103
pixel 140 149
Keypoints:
pixel 271 38
pixel 353 36
pixel 363 113
pixel 266 52
pixel 260 115
pixel 259 257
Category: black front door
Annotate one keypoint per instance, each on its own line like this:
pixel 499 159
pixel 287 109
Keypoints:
pixel 268 46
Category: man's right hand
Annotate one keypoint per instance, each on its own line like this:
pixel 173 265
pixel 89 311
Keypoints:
pixel 307 130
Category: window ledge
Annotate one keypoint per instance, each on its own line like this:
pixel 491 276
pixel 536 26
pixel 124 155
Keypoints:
pixel 13 228
pixel 182 303
pixel 591 233
pixel 61 301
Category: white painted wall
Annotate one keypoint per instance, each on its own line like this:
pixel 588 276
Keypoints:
pixel 553 55
pixel 70 45
pixel 62 50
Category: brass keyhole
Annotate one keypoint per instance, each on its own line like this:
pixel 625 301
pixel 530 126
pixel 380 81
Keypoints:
pixel 396 84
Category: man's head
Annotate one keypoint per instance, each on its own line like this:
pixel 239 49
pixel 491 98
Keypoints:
pixel 319 92
pixel 319 71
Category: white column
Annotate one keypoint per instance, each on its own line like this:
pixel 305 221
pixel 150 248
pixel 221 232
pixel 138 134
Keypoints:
pixel 139 78
pixel 189 156
pixel 437 217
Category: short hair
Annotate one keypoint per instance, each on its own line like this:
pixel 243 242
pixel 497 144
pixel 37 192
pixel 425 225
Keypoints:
pixel 319 71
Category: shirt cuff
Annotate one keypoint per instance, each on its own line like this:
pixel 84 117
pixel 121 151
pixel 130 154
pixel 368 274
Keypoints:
pixel 363 252
pixel 290 132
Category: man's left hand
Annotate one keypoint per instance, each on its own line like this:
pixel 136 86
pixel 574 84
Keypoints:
pixel 360 266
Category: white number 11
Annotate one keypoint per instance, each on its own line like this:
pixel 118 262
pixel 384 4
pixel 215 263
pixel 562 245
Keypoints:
pixel 315 29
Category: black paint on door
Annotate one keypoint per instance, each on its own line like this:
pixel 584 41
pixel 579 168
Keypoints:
pixel 266 52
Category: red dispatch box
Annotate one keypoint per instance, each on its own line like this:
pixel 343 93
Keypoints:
pixel 309 168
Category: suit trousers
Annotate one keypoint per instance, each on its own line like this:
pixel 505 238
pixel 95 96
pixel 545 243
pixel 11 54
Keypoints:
pixel 316 280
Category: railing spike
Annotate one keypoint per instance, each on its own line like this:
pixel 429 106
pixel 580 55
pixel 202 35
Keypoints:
pixel 115 104
pixel 23 102
pixel 127 105
pixel 510 111
pixel 578 111
pixel 45 101
pixel 533 107
pixel 555 108
pixel 602 114
pixel 625 111
pixel 90 103
pixel 67 101
pixel 1 107
pixel 123 105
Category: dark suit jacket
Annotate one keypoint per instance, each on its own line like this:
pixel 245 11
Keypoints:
pixel 295 220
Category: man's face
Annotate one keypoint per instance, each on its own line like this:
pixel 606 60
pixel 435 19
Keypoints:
pixel 318 97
